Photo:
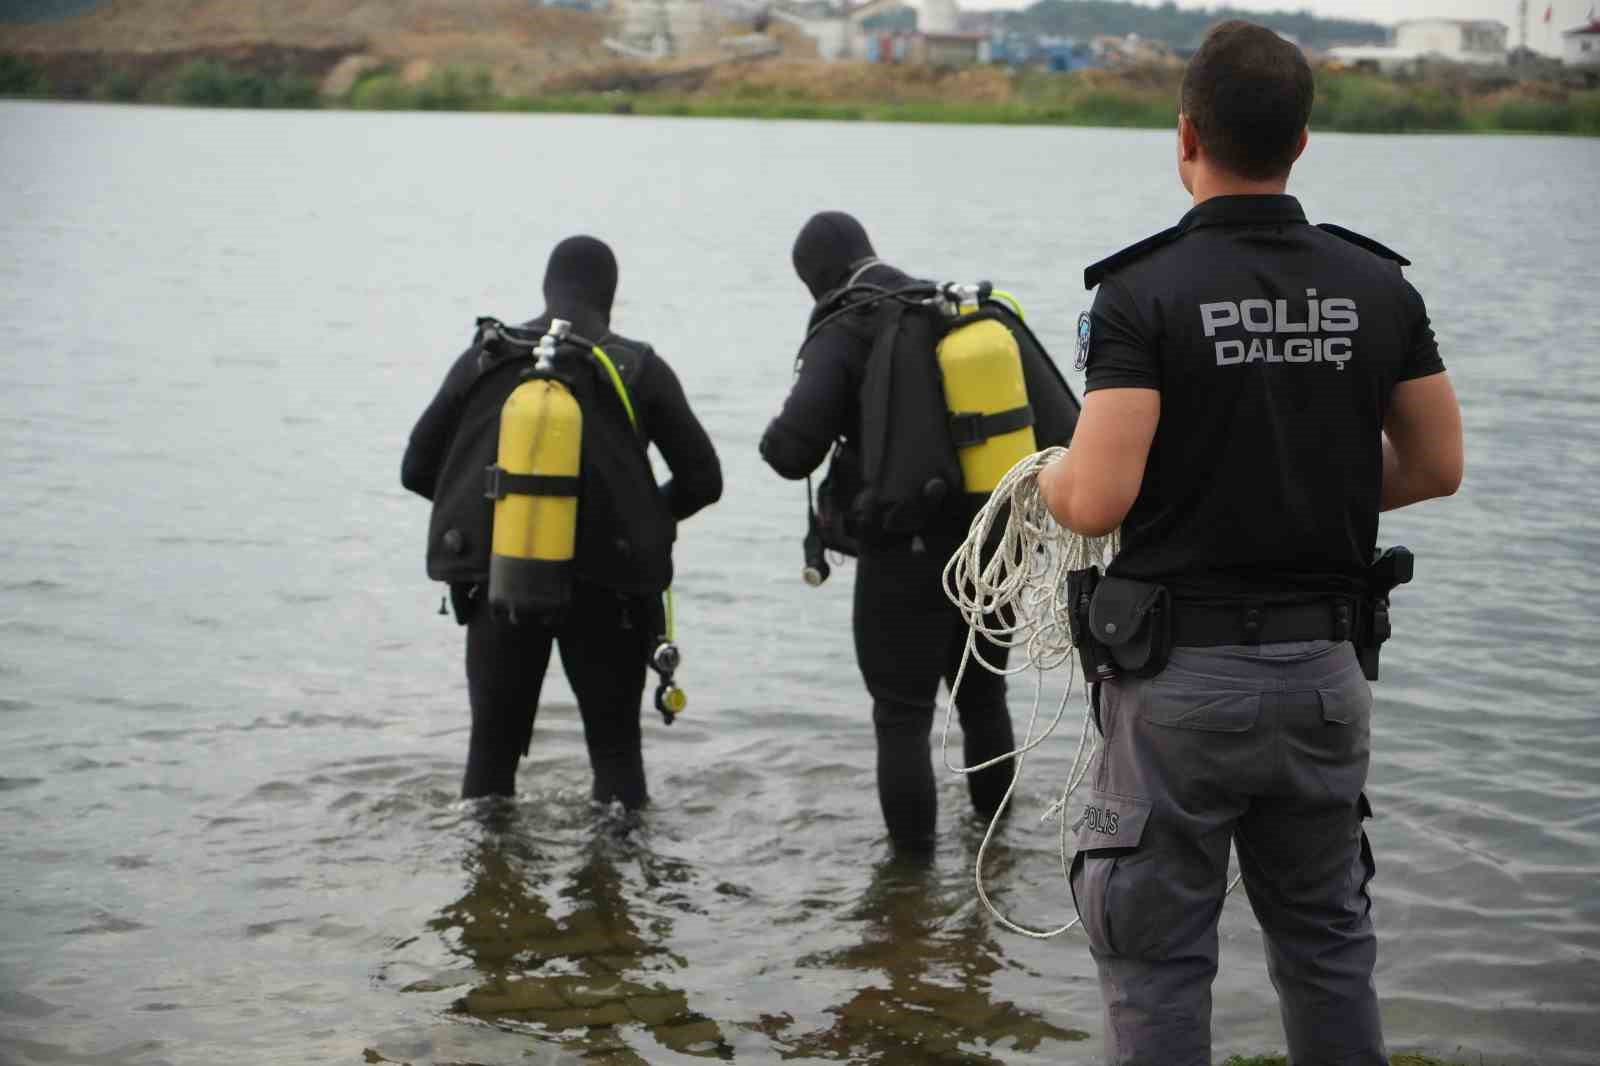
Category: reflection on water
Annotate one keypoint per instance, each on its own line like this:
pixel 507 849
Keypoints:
pixel 931 954
pixel 565 958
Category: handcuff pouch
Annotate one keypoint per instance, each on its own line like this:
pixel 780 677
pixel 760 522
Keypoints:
pixel 1132 620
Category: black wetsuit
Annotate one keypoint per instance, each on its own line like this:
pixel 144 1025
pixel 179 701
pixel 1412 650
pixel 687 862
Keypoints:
pixel 908 636
pixel 605 636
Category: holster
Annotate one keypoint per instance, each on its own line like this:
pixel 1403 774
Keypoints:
pixel 1391 567
pixel 1132 621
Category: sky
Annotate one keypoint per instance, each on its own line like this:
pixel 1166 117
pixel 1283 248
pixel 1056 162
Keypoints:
pixel 1566 14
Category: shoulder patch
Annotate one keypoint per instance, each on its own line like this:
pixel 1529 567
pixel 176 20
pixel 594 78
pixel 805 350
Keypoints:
pixel 1095 273
pixel 1364 242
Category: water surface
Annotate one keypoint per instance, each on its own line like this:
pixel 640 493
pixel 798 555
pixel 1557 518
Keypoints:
pixel 232 722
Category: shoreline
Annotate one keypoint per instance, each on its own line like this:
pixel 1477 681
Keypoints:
pixel 903 113
pixel 1136 98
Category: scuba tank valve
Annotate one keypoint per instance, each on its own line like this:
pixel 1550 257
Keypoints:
pixel 956 299
pixel 545 351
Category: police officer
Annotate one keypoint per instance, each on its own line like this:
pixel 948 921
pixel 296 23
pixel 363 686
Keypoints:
pixel 1258 390
pixel 607 633
pixel 907 634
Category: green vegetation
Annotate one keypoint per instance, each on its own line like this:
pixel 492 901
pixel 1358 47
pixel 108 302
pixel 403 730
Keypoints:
pixel 451 89
pixel 208 83
pixel 18 77
pixel 1347 101
pixel 120 88
pixel 1369 103
pixel 1404 1058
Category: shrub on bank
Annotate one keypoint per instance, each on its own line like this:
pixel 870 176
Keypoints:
pixel 120 87
pixel 1586 112
pixel 19 77
pixel 208 83
pixel 450 89
pixel 1362 103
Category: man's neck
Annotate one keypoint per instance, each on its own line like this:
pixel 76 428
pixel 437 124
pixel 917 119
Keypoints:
pixel 1209 184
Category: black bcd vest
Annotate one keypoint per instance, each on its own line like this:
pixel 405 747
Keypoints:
pixel 909 465
pixel 625 527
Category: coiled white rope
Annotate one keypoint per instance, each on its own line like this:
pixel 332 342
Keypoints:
pixel 1012 594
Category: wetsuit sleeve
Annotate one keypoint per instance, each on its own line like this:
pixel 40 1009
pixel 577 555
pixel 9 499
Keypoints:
pixel 1422 350
pixel 1122 355
pixel 430 437
pixel 696 480
pixel 819 406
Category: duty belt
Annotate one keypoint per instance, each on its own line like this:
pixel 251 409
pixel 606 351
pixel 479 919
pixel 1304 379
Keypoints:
pixel 1209 625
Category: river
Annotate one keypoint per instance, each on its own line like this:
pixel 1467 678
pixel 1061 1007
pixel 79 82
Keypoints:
pixel 232 721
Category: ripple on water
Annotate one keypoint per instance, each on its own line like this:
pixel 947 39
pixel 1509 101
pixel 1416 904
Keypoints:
pixel 106 922
pixel 158 706
pixel 130 862
pixel 19 1004
pixel 83 764
pixel 281 792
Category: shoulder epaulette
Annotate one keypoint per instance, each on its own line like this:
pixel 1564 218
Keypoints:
pixel 1093 275
pixel 1364 242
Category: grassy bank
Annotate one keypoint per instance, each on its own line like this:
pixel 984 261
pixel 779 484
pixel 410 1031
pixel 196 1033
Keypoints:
pixel 1279 1060
pixel 1402 1058
pixel 1346 101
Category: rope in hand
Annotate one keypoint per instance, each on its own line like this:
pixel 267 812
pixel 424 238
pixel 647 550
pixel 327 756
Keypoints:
pixel 1011 592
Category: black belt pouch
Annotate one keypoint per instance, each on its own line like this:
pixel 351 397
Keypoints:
pixel 1134 620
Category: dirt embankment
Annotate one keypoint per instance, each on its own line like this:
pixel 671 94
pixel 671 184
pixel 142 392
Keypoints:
pixel 520 43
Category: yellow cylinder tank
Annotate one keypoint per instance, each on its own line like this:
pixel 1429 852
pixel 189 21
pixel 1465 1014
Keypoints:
pixel 536 523
pixel 982 369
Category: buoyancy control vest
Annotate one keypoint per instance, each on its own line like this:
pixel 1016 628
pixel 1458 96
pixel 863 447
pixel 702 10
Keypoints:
pixel 957 390
pixel 547 479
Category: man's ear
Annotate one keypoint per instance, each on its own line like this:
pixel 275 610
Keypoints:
pixel 1188 140
pixel 1305 138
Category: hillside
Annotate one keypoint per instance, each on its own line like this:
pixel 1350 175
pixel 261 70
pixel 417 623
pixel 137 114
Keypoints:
pixel 518 42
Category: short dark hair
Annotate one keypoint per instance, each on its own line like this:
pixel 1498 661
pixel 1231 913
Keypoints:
pixel 1248 93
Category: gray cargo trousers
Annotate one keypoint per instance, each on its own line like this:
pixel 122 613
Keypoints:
pixel 1267 747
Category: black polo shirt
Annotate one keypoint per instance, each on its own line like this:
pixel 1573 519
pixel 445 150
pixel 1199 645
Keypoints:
pixel 1275 346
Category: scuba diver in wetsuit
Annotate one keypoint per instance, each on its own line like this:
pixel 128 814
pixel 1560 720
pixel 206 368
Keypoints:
pixel 908 636
pixel 625 525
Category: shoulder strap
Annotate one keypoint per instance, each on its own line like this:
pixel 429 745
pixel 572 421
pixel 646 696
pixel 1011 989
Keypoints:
pixel 1098 271
pixel 875 387
pixel 1364 242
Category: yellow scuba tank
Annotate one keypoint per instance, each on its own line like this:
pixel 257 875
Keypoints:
pixel 534 485
pixel 991 422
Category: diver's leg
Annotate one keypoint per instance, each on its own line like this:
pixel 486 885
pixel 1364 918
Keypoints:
pixel 605 648
pixel 900 655
pixel 505 671
pixel 985 719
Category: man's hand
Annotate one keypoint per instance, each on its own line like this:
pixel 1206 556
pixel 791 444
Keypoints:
pixel 1423 452
pixel 1091 489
